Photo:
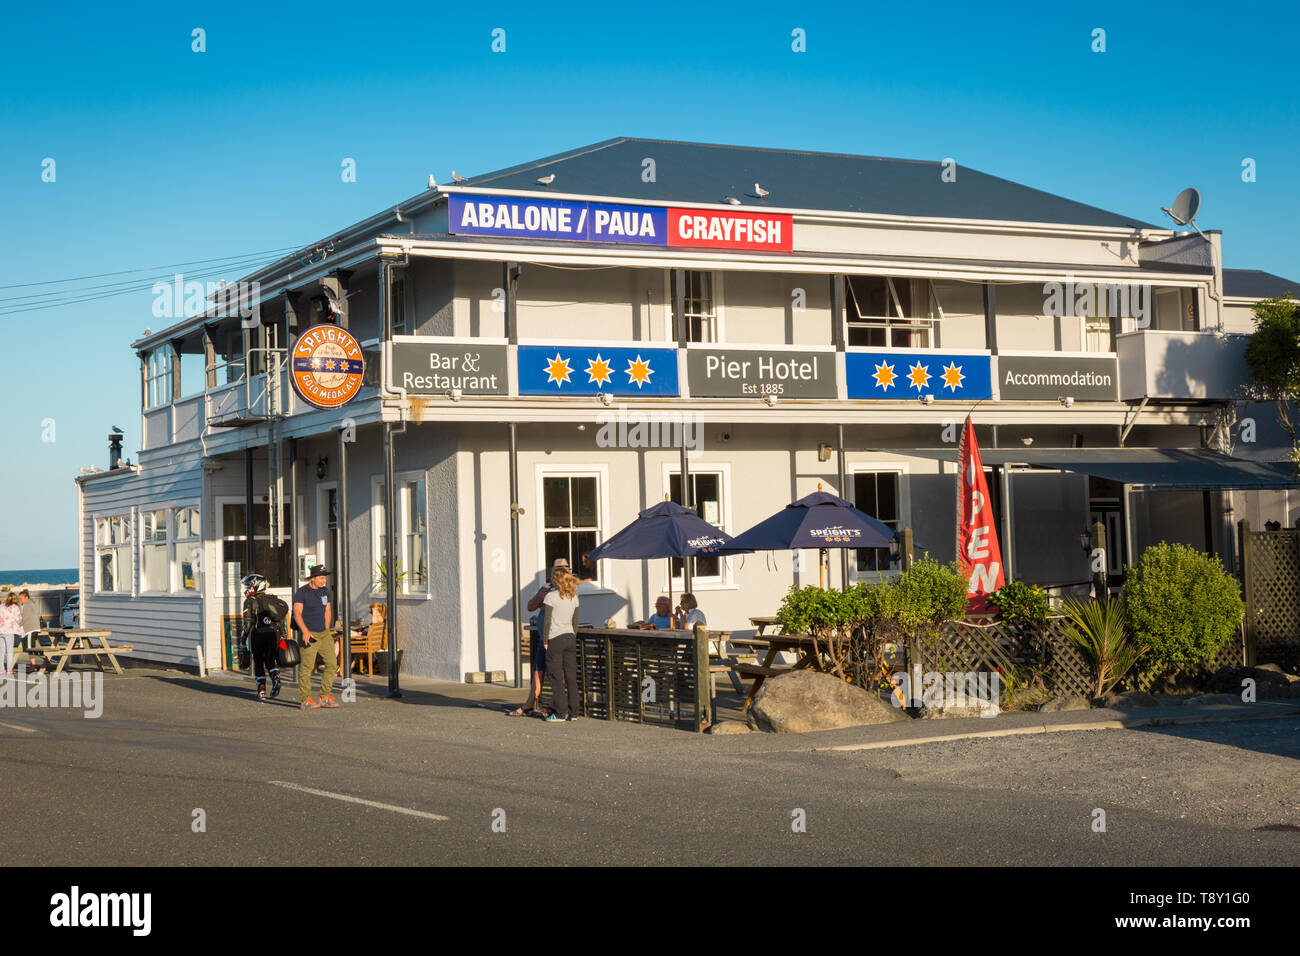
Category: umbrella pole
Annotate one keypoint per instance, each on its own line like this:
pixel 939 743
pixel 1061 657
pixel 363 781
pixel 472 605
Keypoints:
pixel 670 590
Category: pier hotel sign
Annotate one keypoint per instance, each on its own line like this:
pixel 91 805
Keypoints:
pixel 754 373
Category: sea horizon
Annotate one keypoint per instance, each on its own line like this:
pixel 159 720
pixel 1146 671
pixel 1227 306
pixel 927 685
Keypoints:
pixel 30 576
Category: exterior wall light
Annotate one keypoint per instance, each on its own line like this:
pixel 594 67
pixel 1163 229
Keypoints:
pixel 927 399
pixel 1067 401
pixel 606 399
pixel 322 468
pixel 769 401
pixel 455 394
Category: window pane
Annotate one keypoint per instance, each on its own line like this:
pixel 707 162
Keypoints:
pixel 154 571
pixel 155 526
pixel 557 546
pixel 584 502
pixel 887 498
pixel 555 503
pixel 186 561
pixel 185 522
pixel 106 570
pixel 232 520
pixel 583 541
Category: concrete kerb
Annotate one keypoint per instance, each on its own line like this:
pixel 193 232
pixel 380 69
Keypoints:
pixel 1237 713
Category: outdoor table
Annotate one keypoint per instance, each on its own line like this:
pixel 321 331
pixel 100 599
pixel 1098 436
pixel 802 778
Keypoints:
pixel 801 644
pixel 78 642
pixel 763 624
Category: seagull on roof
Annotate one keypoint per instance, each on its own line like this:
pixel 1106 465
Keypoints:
pixel 118 430
pixel 433 183
pixel 457 177
pixel 336 304
pixel 760 192
pixel 546 180
pixel 733 200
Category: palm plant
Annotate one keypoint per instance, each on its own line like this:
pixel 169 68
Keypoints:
pixel 1097 627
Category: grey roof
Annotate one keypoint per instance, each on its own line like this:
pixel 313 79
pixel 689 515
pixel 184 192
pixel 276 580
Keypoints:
pixel 1254 284
pixel 705 173
pixel 1187 468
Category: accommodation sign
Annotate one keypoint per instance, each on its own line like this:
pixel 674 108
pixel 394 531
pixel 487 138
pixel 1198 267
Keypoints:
pixel 597 370
pixel 898 376
pixel 754 373
pixel 527 218
pixel 1046 378
pixel 434 368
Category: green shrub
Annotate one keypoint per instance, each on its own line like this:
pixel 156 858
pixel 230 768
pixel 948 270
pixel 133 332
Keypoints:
pixel 1181 604
pixel 923 597
pixel 813 610
pixel 1020 603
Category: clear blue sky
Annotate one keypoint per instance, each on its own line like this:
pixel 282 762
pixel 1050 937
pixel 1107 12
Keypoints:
pixel 165 155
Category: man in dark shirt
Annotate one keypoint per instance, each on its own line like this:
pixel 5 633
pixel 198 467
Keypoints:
pixel 312 613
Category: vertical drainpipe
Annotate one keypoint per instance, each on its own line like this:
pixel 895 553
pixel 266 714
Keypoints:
pixel 838 337
pixel 248 511
pixel 341 574
pixel 679 320
pixel 515 511
pixel 844 552
pixel 390 492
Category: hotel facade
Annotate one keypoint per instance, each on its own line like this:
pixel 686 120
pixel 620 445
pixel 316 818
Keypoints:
pixel 543 355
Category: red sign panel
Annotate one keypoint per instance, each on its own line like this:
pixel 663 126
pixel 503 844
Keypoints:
pixel 977 535
pixel 710 229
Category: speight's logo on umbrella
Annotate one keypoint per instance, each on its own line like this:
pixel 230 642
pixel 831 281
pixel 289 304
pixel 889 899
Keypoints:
pixel 835 534
pixel 328 366
pixel 705 544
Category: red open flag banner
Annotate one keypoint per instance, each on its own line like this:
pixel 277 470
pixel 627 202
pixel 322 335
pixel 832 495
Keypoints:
pixel 977 535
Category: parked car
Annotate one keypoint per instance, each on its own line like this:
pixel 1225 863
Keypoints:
pixel 71 615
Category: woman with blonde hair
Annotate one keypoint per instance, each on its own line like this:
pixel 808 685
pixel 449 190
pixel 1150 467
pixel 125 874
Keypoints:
pixel 560 637
pixel 11 629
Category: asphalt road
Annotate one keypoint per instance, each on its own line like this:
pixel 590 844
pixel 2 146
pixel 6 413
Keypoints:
pixel 437 779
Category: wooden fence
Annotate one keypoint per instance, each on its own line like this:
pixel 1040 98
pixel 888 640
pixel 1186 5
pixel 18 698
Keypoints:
pixel 971 646
pixel 1271 585
pixel 646 677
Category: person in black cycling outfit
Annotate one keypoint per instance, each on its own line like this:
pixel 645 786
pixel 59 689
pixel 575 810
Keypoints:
pixel 264 616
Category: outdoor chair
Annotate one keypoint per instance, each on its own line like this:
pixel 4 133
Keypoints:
pixel 367 645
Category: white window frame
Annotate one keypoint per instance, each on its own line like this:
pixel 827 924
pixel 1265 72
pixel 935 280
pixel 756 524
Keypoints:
pixel 405 590
pixel 116 548
pixel 219 539
pixel 176 543
pixel 576 470
pixel 147 544
pixel 158 376
pixel 719 316
pixel 902 469
pixel 896 320
pixel 726 580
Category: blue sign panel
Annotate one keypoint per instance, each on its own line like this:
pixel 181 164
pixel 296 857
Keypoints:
pixel 591 370
pixel 520 218
pixel 947 376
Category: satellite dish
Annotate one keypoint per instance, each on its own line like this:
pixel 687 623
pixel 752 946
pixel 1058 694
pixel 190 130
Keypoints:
pixel 1185 208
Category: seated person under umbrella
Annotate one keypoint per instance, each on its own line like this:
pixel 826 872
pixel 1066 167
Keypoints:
pixel 688 613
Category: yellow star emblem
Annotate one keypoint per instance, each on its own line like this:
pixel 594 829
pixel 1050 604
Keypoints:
pixel 920 376
pixel 315 363
pixel 598 371
pixel 884 375
pixel 329 364
pixel 952 376
pixel 557 370
pixel 638 372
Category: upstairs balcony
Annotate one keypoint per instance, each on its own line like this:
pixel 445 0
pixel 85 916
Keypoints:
pixel 1181 366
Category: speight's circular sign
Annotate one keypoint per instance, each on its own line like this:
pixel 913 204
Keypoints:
pixel 328 366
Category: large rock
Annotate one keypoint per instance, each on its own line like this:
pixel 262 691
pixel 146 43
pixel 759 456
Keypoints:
pixel 729 727
pixel 1130 698
pixel 1065 702
pixel 804 701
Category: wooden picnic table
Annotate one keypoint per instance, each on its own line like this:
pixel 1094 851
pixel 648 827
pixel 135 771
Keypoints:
pixel 763 624
pixel 809 657
pixel 78 642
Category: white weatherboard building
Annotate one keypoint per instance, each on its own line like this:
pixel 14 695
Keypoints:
pixel 864 306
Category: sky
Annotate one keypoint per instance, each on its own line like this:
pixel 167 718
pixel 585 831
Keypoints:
pixel 165 155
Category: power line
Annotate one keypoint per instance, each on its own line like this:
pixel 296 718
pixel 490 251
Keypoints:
pixel 174 265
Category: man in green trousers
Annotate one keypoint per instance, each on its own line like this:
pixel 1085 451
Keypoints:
pixel 312 613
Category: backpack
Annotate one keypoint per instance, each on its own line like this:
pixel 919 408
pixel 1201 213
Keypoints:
pixel 269 613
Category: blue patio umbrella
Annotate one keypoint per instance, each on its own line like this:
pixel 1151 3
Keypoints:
pixel 819 520
pixel 665 530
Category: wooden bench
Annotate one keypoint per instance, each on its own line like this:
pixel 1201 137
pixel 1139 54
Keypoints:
pixel 77 643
